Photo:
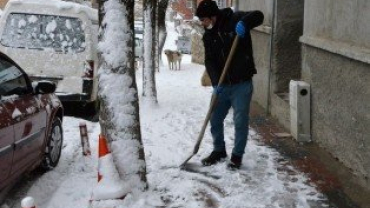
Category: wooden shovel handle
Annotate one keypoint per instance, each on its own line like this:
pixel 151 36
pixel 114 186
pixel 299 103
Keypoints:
pixel 214 96
pixel 213 101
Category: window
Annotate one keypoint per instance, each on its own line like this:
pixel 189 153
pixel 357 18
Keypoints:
pixel 189 3
pixel 35 31
pixel 12 81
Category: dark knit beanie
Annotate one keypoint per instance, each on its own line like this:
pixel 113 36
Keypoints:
pixel 207 8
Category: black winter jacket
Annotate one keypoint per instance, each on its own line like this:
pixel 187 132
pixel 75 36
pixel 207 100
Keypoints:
pixel 218 41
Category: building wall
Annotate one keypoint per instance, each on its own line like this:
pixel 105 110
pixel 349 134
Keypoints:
pixel 261 48
pixel 339 20
pixel 289 27
pixel 277 53
pixel 336 62
pixel 286 55
pixel 327 44
pixel 181 8
pixel 340 107
pixel 3 3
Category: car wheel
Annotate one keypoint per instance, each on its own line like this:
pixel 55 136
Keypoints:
pixel 54 145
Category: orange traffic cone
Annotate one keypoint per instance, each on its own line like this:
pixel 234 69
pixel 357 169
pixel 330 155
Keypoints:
pixel 28 202
pixel 109 186
pixel 103 150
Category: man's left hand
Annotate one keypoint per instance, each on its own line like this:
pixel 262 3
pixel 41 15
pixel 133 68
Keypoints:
pixel 240 29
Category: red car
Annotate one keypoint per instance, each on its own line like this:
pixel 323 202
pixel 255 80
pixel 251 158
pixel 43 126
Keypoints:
pixel 30 124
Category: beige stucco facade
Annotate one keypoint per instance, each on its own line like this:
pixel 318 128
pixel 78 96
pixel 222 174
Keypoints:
pixel 336 61
pixel 326 44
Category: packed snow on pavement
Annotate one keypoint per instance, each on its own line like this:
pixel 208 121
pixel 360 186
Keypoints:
pixel 169 132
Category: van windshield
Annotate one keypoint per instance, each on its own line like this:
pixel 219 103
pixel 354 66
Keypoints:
pixel 37 31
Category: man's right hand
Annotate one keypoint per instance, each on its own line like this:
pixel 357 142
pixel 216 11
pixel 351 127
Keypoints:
pixel 218 90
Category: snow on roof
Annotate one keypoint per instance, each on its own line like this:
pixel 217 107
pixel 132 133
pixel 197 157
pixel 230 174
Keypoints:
pixel 61 5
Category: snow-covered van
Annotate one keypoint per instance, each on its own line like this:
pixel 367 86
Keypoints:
pixel 54 40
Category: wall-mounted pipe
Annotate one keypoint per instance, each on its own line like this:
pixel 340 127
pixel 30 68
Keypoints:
pixel 235 4
pixel 272 34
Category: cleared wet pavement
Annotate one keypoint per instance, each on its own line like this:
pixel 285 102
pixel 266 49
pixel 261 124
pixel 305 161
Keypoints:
pixel 331 177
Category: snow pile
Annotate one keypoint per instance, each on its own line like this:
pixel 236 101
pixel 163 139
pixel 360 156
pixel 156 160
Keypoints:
pixel 28 202
pixel 110 186
pixel 61 5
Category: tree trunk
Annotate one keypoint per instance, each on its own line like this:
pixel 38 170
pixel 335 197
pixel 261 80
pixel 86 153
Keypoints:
pixel 119 114
pixel 94 4
pixel 162 8
pixel 156 39
pixel 149 86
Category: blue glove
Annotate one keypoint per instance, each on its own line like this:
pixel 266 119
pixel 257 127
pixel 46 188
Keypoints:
pixel 240 29
pixel 218 90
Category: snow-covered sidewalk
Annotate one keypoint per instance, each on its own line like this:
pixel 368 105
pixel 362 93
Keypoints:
pixel 169 132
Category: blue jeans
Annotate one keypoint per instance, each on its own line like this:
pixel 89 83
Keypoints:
pixel 237 96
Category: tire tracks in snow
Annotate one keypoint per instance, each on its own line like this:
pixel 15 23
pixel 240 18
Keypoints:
pixel 21 190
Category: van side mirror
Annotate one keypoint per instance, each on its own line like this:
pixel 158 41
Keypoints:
pixel 44 87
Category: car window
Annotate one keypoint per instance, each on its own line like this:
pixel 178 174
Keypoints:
pixel 12 80
pixel 36 31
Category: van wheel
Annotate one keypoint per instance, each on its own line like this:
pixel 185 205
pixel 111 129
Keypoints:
pixel 54 145
pixel 92 111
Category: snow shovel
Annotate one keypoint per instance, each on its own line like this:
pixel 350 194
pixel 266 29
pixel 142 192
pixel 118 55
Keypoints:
pixel 213 102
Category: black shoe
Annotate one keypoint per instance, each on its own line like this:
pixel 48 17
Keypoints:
pixel 235 162
pixel 214 158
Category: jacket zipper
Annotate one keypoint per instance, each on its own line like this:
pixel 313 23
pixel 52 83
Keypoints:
pixel 223 55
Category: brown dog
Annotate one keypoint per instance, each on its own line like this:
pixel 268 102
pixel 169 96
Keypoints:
pixel 174 58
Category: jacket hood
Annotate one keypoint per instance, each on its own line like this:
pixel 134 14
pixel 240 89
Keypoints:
pixel 226 12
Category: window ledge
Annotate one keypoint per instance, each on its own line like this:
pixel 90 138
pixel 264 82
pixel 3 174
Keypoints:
pixel 342 48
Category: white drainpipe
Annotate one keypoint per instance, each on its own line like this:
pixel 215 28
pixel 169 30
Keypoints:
pixel 273 27
pixel 236 5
